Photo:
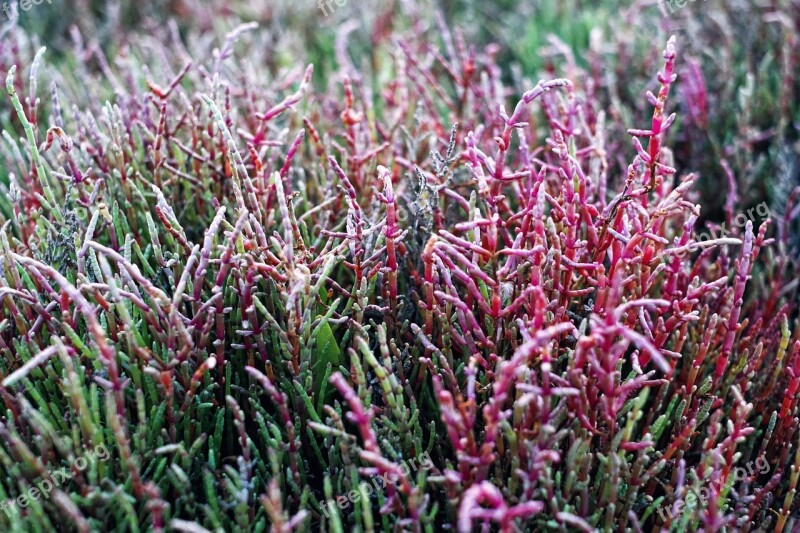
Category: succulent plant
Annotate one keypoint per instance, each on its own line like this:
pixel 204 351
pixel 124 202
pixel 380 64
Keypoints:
pixel 403 297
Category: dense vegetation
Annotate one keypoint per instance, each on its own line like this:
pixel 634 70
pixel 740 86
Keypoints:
pixel 260 268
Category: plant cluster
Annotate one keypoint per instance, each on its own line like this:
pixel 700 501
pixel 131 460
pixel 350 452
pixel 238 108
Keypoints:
pixel 258 294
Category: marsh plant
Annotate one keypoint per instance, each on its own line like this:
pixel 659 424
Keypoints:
pixel 259 290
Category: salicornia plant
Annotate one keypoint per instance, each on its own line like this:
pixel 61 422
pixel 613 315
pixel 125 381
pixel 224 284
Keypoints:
pixel 408 296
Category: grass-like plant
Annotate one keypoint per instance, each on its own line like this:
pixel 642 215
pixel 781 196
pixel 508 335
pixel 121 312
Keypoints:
pixel 410 301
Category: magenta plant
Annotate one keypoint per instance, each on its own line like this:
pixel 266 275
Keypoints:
pixel 259 296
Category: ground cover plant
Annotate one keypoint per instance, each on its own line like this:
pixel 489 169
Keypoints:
pixel 419 290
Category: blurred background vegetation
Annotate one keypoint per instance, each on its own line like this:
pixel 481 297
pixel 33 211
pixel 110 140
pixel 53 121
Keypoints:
pixel 744 52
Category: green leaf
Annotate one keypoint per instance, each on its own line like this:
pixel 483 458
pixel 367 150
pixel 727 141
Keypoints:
pixel 326 352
